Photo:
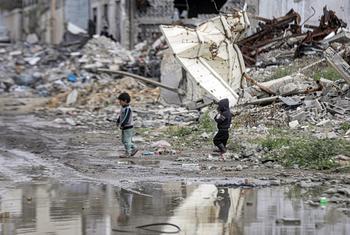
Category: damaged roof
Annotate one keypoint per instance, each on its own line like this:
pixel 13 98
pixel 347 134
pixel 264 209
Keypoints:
pixel 209 53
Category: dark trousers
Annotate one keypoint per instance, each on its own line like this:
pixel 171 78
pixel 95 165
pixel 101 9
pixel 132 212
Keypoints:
pixel 221 138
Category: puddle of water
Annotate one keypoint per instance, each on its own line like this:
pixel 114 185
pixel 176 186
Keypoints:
pixel 85 208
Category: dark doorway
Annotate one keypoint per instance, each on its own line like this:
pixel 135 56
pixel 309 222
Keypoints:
pixel 195 7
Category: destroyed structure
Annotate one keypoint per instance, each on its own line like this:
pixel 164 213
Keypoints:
pixel 198 65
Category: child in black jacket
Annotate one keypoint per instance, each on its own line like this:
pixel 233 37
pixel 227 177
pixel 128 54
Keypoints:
pixel 223 119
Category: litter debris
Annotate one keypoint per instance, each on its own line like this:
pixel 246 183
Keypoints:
pixel 161 144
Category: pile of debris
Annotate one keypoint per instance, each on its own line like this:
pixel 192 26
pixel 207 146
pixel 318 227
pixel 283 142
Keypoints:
pixel 286 32
pixel 31 69
pixel 299 101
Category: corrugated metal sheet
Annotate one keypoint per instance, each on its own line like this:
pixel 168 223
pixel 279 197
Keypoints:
pixel 209 54
pixel 273 8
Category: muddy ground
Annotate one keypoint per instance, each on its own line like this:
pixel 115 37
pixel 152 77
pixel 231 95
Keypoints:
pixel 33 146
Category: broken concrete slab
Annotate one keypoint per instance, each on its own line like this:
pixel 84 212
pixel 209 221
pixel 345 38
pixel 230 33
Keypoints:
pixel 338 63
pixel 290 101
pixel 342 37
pixel 299 116
pixel 294 124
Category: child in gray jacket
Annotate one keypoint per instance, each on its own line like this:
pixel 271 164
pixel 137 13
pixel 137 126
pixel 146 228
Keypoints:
pixel 125 122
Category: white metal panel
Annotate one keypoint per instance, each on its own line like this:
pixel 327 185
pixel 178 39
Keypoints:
pixel 209 54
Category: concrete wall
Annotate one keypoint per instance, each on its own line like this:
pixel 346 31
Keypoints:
pixel 12 22
pixel 118 19
pixel 77 12
pixel 273 8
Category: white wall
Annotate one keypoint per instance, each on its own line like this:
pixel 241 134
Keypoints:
pixel 274 8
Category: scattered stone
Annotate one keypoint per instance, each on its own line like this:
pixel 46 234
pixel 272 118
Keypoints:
pixel 239 168
pixel 294 124
pixel 72 98
pixel 32 38
pixel 331 191
pixel 332 135
pixel 15 53
pixel 204 135
pixel 324 122
pixel 70 122
pixel 344 191
pixel 161 144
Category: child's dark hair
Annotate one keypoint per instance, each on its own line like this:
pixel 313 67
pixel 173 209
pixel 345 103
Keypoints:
pixel 124 97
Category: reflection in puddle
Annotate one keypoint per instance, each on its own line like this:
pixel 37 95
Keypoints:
pixel 197 209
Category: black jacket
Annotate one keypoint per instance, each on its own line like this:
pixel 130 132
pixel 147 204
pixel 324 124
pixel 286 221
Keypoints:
pixel 224 117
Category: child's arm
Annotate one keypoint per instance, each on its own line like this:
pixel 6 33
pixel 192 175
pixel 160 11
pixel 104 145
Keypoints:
pixel 126 117
pixel 219 118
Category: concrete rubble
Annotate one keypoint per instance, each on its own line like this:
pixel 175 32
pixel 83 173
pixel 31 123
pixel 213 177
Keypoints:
pixel 82 92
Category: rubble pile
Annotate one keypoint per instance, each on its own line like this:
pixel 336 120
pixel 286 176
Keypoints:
pixel 102 52
pixel 31 69
pixel 286 33
pixel 104 92
pixel 321 103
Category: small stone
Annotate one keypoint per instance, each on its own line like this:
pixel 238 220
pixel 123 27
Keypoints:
pixel 239 168
pixel 32 38
pixel 294 124
pixel 70 122
pixel 15 53
pixel 72 97
pixel 324 122
pixel 332 135
pixel 331 191
pixel 204 135
pixel 161 144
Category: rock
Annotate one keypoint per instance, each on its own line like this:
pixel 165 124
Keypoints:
pixel 239 168
pixel 275 182
pixel 72 97
pixel 345 87
pixel 277 166
pixel 15 53
pixel 204 135
pixel 332 135
pixel 32 60
pixel 313 104
pixel 32 38
pixel 294 124
pixel 70 122
pixel 331 191
pixel 161 144
pixel 324 122
pixel 344 191
pixel 60 86
pixel 299 116
pixel 59 121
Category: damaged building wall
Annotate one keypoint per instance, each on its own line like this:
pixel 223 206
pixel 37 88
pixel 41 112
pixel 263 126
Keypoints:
pixel 44 21
pixel 12 22
pixel 115 15
pixel 272 8
pixel 49 24
pixel 77 12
